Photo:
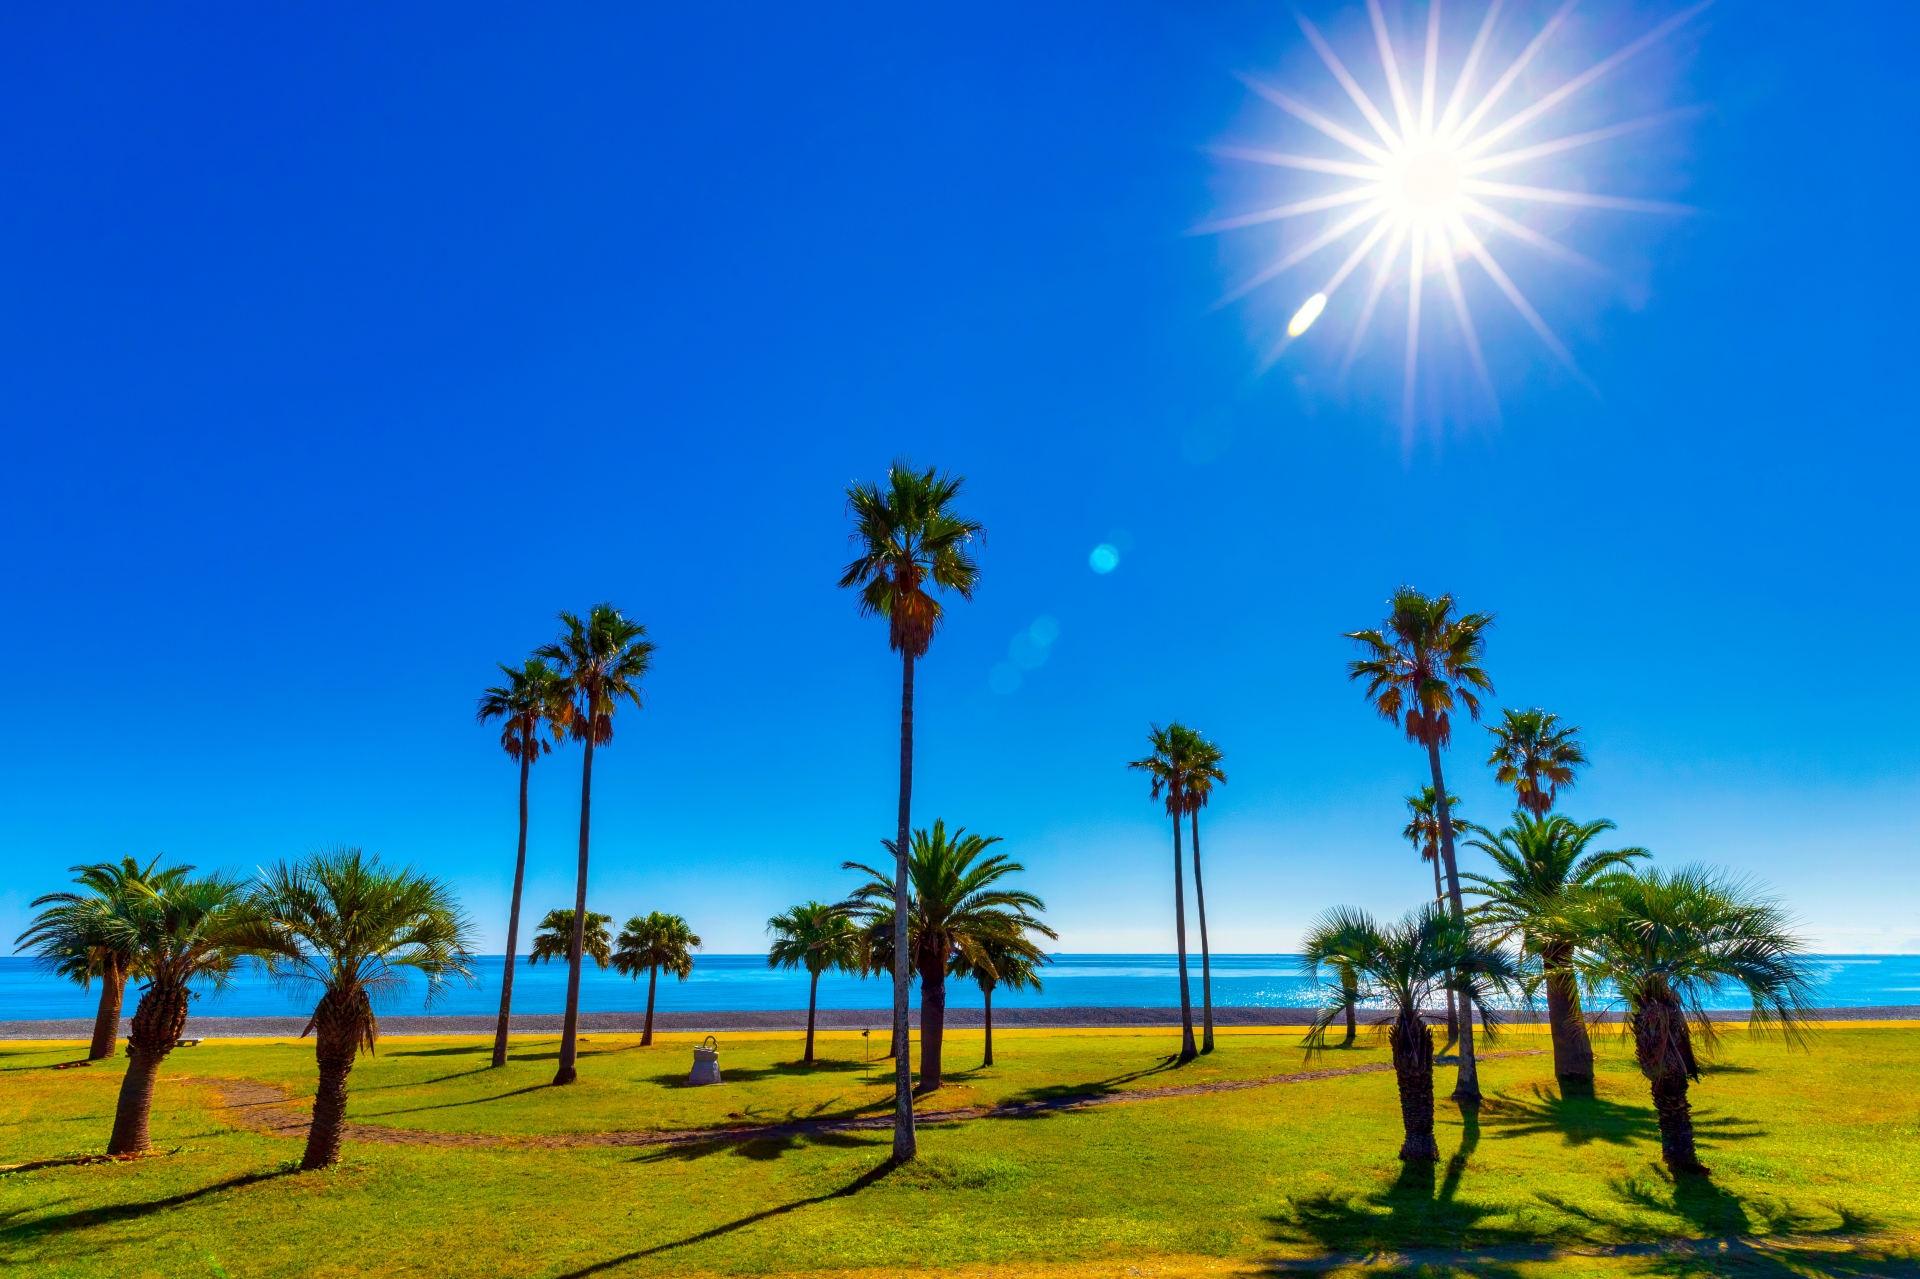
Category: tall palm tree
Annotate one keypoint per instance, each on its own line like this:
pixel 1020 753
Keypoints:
pixel 1665 942
pixel 348 925
pixel 183 933
pixel 908 538
pixel 1543 861
pixel 1010 959
pixel 533 696
pixel 67 940
pixel 649 943
pixel 1536 756
pixel 1339 939
pixel 1419 665
pixel 1423 832
pixel 1167 769
pixel 818 938
pixel 602 659
pixel 953 908
pixel 1203 773
pixel 554 938
pixel 1401 965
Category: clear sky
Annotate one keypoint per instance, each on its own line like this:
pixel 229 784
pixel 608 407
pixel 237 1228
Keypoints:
pixel 341 346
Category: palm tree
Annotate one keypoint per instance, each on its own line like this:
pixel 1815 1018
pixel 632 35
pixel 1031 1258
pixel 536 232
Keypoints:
pixel 68 942
pixel 1535 756
pixel 1167 769
pixel 1402 965
pixel 1421 664
pixel 602 659
pixel 348 925
pixel 818 938
pixel 555 936
pixel 1203 772
pixel 908 538
pixel 181 933
pixel 1665 942
pixel 1423 832
pixel 1339 939
pixel 953 908
pixel 1544 860
pixel 532 696
pixel 1010 959
pixel 649 943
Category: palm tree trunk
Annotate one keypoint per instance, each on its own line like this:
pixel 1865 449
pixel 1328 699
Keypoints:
pixel 513 920
pixel 653 981
pixel 988 992
pixel 1413 1071
pixel 1350 991
pixel 1187 1051
pixel 570 1027
pixel 1453 1017
pixel 1664 1047
pixel 1206 962
pixel 813 1002
pixel 933 1021
pixel 1572 1049
pixel 330 1101
pixel 113 994
pixel 158 1019
pixel 1466 1086
pixel 903 1136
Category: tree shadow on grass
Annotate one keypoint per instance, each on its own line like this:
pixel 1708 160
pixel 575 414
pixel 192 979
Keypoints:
pixel 1092 1087
pixel 16 1232
pixel 853 1187
pixel 761 1149
pixel 755 1074
pixel 453 1105
pixel 1581 1120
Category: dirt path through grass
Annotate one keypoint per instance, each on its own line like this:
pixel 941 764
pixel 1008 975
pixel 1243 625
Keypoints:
pixel 266 1108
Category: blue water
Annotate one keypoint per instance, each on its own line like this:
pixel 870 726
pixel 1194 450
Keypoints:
pixel 722 982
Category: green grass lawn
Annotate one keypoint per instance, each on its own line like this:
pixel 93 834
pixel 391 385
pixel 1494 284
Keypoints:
pixel 1820 1149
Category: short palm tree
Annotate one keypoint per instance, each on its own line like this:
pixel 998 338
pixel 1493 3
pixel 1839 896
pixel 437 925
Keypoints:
pixel 67 941
pixel 953 907
pixel 602 658
pixel 533 698
pixel 1422 663
pixel 1203 774
pixel 1663 942
pixel 909 539
pixel 1543 861
pixel 181 934
pixel 648 944
pixel 994 960
pixel 1536 756
pixel 1339 939
pixel 348 925
pixel 1402 965
pixel 1167 768
pixel 1423 832
pixel 554 938
pixel 818 938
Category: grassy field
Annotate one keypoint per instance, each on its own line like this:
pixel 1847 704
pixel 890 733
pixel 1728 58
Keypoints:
pixel 1816 1156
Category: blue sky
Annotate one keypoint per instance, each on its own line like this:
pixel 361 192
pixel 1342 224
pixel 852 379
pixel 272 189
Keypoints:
pixel 340 348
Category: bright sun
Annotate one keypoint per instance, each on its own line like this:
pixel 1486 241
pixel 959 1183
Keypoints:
pixel 1428 180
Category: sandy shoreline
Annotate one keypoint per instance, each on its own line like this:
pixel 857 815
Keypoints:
pixel 796 1019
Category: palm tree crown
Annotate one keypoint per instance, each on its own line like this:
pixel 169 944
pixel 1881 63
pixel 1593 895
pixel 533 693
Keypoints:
pixel 814 936
pixel 1170 765
pixel 1423 663
pixel 71 937
pixel 1423 823
pixel 555 938
pixel 601 660
pixel 1544 861
pixel 1536 756
pixel 909 538
pixel 655 941
pixel 533 694
pixel 1339 939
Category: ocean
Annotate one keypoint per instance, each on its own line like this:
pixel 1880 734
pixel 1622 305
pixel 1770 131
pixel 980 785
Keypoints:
pixel 744 982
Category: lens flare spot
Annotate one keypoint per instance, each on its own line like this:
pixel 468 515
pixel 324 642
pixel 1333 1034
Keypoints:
pixel 1303 318
pixel 1104 559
